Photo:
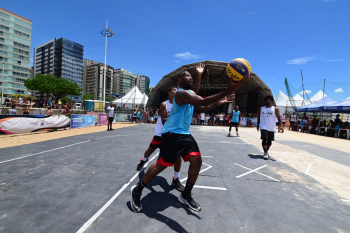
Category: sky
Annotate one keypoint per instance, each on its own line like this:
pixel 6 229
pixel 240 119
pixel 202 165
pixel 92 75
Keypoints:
pixel 279 38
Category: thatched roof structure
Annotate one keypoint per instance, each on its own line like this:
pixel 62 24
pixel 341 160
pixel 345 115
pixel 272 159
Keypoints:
pixel 249 97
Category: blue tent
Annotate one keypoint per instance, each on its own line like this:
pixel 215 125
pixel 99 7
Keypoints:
pixel 318 106
pixel 343 106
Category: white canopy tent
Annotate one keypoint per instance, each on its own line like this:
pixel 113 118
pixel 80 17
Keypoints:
pixel 132 98
pixel 284 104
pixel 318 96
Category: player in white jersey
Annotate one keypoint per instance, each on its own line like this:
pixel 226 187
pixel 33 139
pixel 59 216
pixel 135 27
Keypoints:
pixel 267 124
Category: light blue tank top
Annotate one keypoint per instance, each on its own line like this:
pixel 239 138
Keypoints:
pixel 235 117
pixel 180 118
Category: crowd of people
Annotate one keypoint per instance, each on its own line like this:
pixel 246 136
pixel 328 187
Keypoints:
pixel 27 104
pixel 313 125
pixel 38 103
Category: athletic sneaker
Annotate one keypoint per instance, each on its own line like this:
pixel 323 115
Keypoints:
pixel 177 185
pixel 135 200
pixel 229 135
pixel 190 202
pixel 140 165
pixel 237 134
pixel 266 156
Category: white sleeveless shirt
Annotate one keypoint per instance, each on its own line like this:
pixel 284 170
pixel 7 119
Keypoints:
pixel 268 118
pixel 159 124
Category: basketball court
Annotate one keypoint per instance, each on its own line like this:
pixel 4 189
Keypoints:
pixel 82 184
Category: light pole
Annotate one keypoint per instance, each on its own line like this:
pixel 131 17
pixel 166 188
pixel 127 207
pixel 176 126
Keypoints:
pixel 106 33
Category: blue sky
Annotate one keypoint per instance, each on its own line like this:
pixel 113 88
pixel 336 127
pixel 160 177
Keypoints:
pixel 153 38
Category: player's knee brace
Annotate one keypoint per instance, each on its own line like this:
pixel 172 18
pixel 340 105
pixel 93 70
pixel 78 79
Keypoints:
pixel 264 142
pixel 269 142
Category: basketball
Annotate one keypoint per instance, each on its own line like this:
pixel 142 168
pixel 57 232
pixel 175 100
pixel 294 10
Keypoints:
pixel 238 69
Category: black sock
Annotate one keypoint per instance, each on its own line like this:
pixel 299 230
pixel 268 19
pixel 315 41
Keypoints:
pixel 188 188
pixel 139 187
pixel 265 150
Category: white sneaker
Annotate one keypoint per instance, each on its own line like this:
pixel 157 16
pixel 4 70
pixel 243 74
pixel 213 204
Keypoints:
pixel 266 156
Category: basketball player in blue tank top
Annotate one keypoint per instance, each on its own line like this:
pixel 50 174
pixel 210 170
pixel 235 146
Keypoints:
pixel 156 141
pixel 178 141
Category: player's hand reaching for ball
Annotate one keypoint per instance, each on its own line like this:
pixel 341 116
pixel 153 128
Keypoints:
pixel 234 86
pixel 227 99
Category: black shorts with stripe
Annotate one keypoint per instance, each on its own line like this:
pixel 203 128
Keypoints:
pixel 174 145
pixel 156 141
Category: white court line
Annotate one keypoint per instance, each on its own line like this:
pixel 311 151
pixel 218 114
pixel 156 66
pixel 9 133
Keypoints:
pixel 120 135
pixel 6 161
pixel 208 156
pixel 209 187
pixel 258 172
pixel 100 211
pixel 308 169
pixel 344 200
pixel 205 187
pixel 251 171
pixel 209 166
pixel 43 152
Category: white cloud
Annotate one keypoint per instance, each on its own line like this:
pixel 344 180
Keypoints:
pixel 339 90
pixel 334 60
pixel 306 91
pixel 300 60
pixel 186 56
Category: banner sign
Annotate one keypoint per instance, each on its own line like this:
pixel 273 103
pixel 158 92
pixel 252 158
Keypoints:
pixel 243 121
pixel 79 121
pixel 254 121
pixel 14 124
pixel 103 119
pixel 121 117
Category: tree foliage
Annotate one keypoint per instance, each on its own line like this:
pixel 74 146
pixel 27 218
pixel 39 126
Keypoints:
pixel 87 97
pixel 56 87
pixel 66 99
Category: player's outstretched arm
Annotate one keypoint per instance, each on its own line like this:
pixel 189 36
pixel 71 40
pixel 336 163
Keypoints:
pixel 226 99
pixel 200 70
pixel 184 96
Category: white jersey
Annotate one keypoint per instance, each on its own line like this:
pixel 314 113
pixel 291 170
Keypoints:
pixel 284 118
pixel 159 124
pixel 293 118
pixel 110 111
pixel 268 119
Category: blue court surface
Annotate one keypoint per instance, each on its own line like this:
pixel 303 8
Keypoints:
pixel 82 184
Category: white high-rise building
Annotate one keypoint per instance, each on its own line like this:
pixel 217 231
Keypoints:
pixel 15 43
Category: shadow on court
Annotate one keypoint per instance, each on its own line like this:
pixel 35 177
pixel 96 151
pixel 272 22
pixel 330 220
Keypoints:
pixel 252 156
pixel 156 202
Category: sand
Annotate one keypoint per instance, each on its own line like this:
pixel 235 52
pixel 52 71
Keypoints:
pixel 27 138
